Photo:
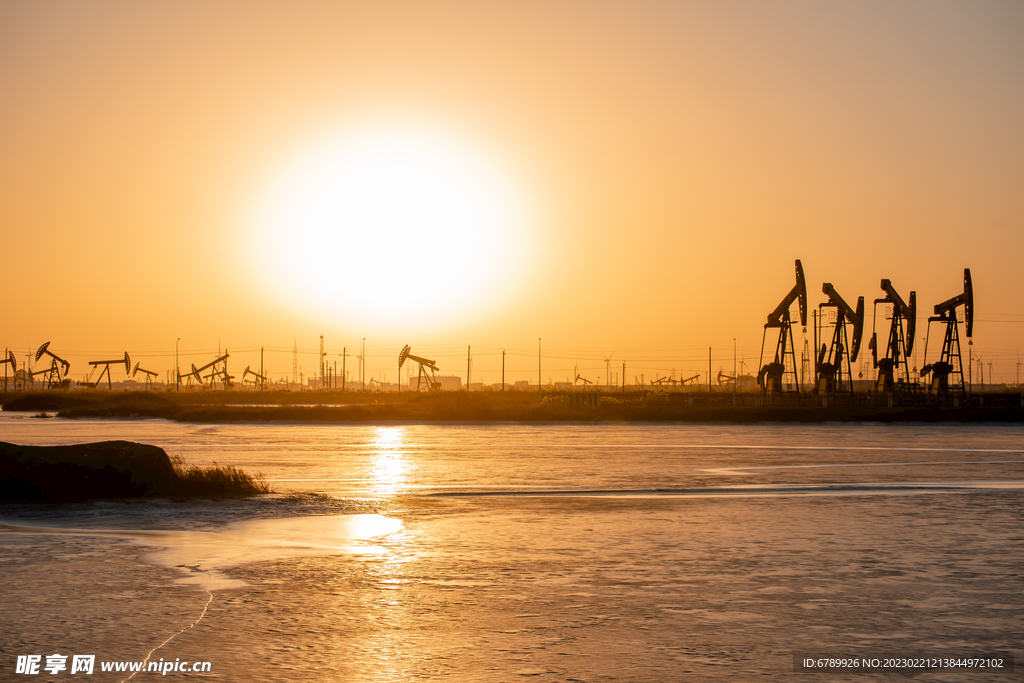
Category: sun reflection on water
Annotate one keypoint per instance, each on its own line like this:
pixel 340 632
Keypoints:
pixel 388 464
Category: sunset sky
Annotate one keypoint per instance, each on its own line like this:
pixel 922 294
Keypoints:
pixel 627 178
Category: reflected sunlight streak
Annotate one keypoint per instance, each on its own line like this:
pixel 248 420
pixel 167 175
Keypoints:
pixel 388 464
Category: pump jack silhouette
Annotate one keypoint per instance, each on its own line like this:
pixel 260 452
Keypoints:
pixel 770 376
pixel 834 361
pixel 106 367
pixel 900 345
pixel 216 373
pixel 53 374
pixel 430 380
pixel 149 374
pixel 950 361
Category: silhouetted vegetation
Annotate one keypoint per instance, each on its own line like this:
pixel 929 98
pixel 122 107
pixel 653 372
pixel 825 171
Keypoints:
pixel 103 403
pixel 217 480
pixel 511 406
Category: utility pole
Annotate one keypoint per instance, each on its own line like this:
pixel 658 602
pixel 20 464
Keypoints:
pixel 814 356
pixel 709 369
pixel 177 371
pixel 261 373
pixel 805 365
pixel 469 367
pixel 362 366
pixel 735 376
pixel 540 384
pixel 344 356
pixel 12 361
pixel 503 370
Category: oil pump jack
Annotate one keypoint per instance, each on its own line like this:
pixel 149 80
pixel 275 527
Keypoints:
pixel 216 373
pixel 106 367
pixel 900 345
pixel 770 376
pixel 13 362
pixel 57 363
pixel 830 367
pixel 945 313
pixel 188 377
pixel 424 378
pixel 673 381
pixel 257 378
pixel 149 374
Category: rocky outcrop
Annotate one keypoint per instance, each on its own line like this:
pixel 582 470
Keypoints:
pixel 110 469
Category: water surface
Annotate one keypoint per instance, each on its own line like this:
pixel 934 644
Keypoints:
pixel 555 552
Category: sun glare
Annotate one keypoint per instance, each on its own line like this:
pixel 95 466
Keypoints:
pixel 391 226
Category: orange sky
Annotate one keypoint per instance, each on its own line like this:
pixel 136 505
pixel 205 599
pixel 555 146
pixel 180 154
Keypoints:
pixel 676 157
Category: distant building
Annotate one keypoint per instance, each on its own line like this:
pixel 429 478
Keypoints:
pixel 523 385
pixel 746 382
pixel 331 382
pixel 447 382
pixel 450 382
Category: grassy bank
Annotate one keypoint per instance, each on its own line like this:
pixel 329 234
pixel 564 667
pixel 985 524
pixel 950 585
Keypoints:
pixel 489 407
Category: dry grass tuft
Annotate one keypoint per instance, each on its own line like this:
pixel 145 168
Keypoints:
pixel 217 480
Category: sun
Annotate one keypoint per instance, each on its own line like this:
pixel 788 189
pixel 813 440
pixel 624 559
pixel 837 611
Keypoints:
pixel 391 226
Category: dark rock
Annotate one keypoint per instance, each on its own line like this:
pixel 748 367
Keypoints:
pixel 111 469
